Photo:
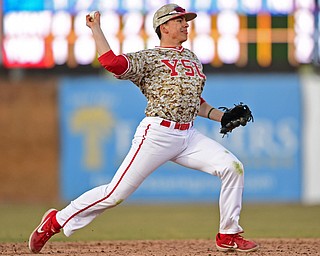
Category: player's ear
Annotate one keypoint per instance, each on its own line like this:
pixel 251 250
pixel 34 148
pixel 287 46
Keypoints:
pixel 164 28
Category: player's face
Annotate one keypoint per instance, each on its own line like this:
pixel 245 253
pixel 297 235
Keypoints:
pixel 178 29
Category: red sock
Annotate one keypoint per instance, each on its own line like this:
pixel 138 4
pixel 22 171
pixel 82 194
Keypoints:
pixel 55 223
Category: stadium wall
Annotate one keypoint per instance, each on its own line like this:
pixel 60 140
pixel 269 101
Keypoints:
pixel 36 145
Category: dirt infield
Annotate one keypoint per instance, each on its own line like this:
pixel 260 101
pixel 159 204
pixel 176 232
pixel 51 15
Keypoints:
pixel 165 248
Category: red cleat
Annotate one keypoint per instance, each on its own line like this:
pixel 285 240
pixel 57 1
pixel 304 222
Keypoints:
pixel 43 232
pixel 234 242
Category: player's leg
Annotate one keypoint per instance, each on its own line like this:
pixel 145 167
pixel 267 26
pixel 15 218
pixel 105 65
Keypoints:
pixel 209 156
pixel 132 172
pixel 81 211
pixel 151 147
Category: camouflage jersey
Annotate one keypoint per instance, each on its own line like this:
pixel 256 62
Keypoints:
pixel 170 78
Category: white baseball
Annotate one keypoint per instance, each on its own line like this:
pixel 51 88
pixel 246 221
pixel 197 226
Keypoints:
pixel 92 14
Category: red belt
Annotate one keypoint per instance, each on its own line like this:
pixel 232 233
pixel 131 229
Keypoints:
pixel 177 126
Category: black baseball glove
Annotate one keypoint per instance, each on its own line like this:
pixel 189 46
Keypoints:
pixel 233 117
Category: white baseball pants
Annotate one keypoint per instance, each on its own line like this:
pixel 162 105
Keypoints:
pixel 152 146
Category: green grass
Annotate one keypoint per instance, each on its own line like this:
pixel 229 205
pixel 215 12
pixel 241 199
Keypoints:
pixel 287 220
pixel 196 221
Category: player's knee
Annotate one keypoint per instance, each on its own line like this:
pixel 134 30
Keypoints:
pixel 237 167
pixel 114 201
pixel 233 174
pixel 233 168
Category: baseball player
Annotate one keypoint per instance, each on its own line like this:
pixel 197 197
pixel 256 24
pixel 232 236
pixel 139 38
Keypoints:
pixel 172 80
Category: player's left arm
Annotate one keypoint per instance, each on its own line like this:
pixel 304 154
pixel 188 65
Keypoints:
pixel 207 111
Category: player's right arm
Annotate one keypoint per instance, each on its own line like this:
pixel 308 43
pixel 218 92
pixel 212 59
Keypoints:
pixel 102 44
pixel 111 62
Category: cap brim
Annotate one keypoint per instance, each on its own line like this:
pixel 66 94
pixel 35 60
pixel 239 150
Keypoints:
pixel 188 15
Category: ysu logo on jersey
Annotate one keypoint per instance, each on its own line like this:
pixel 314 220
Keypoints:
pixel 191 67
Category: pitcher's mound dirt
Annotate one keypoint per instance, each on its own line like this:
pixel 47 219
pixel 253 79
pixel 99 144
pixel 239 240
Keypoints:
pixel 268 247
